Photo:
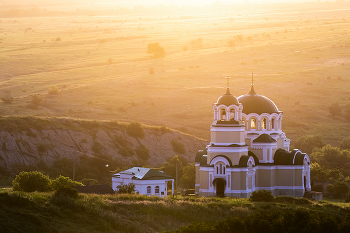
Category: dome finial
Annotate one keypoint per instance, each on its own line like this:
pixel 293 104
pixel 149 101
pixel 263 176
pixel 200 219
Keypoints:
pixel 228 85
pixel 252 92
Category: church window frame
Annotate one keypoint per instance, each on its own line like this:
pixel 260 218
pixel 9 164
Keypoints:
pixel 222 114
pixel 264 123
pixel 232 114
pixel 273 123
pixel 156 190
pixel 253 123
pixel 149 189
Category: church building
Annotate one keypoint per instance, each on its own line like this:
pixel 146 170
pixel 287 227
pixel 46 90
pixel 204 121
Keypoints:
pixel 248 151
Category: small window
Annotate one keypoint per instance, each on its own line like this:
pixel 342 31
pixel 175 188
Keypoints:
pixel 253 124
pixel 243 121
pixel 273 123
pixel 148 189
pixel 157 189
pixel 223 114
pixel 263 124
pixel 220 168
pixel 232 114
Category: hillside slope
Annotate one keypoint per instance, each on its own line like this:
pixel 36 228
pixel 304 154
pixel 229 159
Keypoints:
pixel 30 140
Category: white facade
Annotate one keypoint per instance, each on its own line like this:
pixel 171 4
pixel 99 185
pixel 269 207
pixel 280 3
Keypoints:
pixel 150 186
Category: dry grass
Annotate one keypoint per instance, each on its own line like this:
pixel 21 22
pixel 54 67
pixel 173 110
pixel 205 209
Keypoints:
pixel 286 52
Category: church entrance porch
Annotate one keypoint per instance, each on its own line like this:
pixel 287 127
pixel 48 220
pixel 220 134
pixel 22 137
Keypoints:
pixel 219 184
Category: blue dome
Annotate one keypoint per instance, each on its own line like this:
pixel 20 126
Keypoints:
pixel 254 103
pixel 227 99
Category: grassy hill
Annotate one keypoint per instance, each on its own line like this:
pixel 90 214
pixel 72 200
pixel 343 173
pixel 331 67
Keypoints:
pixel 45 212
pixel 299 53
pixel 53 144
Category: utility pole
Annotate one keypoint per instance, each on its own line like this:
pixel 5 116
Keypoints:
pixel 176 180
pixel 74 169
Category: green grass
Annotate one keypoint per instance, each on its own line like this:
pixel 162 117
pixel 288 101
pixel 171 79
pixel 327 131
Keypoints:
pixel 37 212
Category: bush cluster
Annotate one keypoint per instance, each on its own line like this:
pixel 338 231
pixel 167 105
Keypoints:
pixel 178 147
pixel 293 220
pixel 261 196
pixel 126 189
pixel 135 130
pixel 142 152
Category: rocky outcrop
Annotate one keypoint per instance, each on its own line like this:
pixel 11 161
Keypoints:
pixel 55 141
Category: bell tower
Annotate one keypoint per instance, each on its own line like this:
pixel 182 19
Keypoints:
pixel 227 133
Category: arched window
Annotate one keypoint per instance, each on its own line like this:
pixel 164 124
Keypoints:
pixel 243 121
pixel 223 114
pixel 157 189
pixel 148 189
pixel 263 123
pixel 232 114
pixel 220 168
pixel 253 123
pixel 273 123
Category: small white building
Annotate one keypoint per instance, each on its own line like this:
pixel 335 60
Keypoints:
pixel 147 181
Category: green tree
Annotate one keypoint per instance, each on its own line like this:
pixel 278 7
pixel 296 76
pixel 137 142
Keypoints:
pixel 178 147
pixel 169 167
pixel 338 189
pixel 134 129
pixel 345 144
pixel 188 178
pixel 318 173
pixel 63 181
pixel 156 50
pixel 308 142
pixel 334 109
pixel 31 182
pixel 36 99
pixel 126 188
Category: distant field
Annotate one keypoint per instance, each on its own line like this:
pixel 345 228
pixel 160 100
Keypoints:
pixel 301 60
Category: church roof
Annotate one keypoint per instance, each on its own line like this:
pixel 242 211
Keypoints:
pixel 141 173
pixel 254 103
pixel 227 99
pixel 264 138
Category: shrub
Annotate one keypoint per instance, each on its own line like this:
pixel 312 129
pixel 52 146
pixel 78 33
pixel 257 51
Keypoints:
pixel 261 196
pixel 36 99
pixel 197 42
pixel 317 188
pixel 31 182
pixel 135 130
pixel 64 182
pixel 345 144
pixel 347 198
pixel 338 189
pixel 121 140
pixel 308 142
pixel 334 109
pixel 178 147
pixel 88 181
pixel 126 151
pixel 42 148
pixel 142 152
pixel 7 98
pixel 96 147
pixel 54 90
pixel 67 191
pixel 231 43
pixel 156 50
pixel 126 189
